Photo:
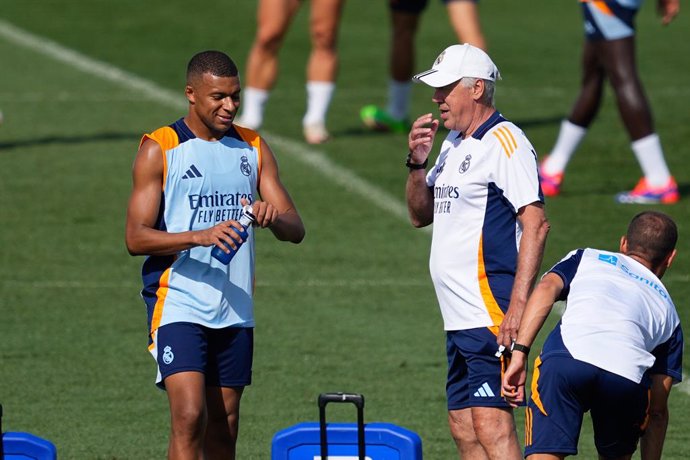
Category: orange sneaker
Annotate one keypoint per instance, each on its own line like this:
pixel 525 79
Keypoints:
pixel 644 194
pixel 550 183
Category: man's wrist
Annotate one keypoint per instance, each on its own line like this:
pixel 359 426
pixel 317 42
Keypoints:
pixel 520 347
pixel 413 166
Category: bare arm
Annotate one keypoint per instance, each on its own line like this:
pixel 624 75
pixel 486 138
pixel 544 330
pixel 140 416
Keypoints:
pixel 420 200
pixel 668 10
pixel 652 442
pixel 535 227
pixel 141 236
pixel 276 210
pixel 538 308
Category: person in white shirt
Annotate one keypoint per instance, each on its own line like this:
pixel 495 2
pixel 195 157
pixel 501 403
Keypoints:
pixel 619 337
pixel 484 199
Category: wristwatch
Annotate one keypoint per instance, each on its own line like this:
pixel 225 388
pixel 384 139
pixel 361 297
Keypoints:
pixel 415 166
pixel 519 347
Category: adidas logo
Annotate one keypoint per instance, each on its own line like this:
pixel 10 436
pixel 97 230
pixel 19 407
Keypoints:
pixel 192 173
pixel 484 391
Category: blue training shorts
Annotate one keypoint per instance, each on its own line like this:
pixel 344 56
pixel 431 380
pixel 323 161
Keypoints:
pixel 224 355
pixel 563 389
pixel 608 20
pixel 474 371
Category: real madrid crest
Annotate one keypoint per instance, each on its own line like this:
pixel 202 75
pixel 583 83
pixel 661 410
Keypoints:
pixel 440 58
pixel 245 167
pixel 465 165
pixel 168 355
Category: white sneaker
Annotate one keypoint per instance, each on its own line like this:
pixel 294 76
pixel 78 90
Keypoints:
pixel 316 133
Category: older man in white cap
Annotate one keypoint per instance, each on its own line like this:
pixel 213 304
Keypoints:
pixel 484 199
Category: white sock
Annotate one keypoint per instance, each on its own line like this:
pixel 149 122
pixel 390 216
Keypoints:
pixel 253 101
pixel 569 137
pixel 319 94
pixel 651 158
pixel 399 98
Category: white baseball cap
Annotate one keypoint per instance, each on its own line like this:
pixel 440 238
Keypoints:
pixel 456 62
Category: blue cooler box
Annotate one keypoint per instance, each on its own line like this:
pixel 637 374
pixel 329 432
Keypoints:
pixel 26 446
pixel 384 441
pixel 15 445
pixel 345 441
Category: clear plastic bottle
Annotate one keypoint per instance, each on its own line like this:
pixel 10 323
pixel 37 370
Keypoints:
pixel 246 219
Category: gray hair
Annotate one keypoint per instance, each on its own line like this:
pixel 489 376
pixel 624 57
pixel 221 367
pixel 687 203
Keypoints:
pixel 489 89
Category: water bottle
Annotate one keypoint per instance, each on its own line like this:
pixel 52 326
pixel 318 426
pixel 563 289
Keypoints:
pixel 246 219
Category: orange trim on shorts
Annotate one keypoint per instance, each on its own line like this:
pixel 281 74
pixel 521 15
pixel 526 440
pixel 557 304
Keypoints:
pixel 492 307
pixel 535 386
pixel 505 362
pixel 528 426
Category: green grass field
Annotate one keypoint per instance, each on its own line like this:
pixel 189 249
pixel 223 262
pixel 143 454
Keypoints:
pixel 351 308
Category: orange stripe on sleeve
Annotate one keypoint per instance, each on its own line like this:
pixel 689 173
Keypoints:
pixel 500 139
pixel 492 307
pixel 510 137
pixel 603 7
pixel 167 139
pixel 252 138
pixel 505 137
pixel 535 386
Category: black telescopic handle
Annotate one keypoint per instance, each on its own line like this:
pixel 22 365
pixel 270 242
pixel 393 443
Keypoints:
pixel 358 401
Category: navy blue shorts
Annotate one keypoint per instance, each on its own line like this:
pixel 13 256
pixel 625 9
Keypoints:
pixel 563 389
pixel 224 356
pixel 414 6
pixel 608 20
pixel 474 371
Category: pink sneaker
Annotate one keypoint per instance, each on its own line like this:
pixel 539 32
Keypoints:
pixel 550 183
pixel 644 194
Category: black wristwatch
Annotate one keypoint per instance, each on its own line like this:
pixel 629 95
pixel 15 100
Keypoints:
pixel 414 166
pixel 519 347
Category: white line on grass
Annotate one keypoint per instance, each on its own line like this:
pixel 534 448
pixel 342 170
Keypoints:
pixel 310 157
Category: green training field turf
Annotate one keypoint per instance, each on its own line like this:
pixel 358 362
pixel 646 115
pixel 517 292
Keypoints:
pixel 351 308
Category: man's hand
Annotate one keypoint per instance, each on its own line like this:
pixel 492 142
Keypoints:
pixel 264 213
pixel 668 10
pixel 514 380
pixel 421 138
pixel 508 330
pixel 222 234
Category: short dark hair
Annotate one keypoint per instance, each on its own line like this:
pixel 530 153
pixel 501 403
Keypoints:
pixel 214 62
pixel 652 235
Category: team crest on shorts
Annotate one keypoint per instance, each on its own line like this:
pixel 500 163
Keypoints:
pixel 465 165
pixel 168 355
pixel 245 167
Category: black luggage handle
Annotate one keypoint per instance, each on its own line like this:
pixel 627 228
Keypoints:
pixel 358 401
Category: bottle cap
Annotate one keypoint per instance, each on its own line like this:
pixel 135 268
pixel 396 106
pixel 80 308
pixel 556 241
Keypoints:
pixel 248 211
